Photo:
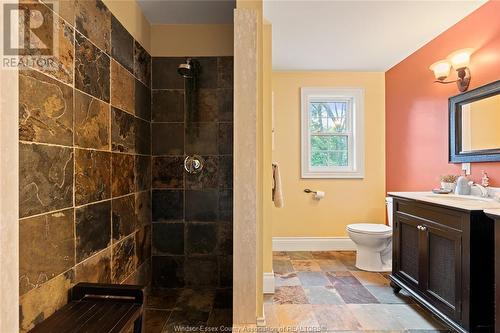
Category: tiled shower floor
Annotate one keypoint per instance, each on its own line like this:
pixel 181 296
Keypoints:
pixel 325 290
pixel 182 310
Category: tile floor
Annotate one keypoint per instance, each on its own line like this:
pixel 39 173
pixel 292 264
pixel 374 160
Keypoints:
pixel 325 291
pixel 183 310
pixel 315 292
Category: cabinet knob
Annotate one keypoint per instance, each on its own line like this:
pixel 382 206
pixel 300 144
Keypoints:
pixel 421 227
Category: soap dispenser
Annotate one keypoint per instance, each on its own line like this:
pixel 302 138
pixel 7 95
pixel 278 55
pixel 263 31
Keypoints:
pixel 464 186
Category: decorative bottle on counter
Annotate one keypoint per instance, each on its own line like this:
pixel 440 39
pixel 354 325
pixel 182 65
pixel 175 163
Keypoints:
pixel 463 186
pixel 485 180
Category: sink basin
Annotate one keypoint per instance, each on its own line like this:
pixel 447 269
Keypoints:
pixel 459 198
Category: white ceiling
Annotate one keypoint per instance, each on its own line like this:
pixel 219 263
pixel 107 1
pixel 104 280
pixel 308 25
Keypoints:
pixel 356 35
pixel 188 11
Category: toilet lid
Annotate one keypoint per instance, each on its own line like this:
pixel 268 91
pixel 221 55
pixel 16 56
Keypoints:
pixel 370 228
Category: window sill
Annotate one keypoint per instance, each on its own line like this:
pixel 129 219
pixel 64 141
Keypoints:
pixel 332 175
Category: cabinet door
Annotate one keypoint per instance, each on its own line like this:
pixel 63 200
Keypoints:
pixel 441 279
pixel 406 256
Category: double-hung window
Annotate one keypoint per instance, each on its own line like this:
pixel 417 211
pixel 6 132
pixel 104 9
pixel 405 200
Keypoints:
pixel 332 133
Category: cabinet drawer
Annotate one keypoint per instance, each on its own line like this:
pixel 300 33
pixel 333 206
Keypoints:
pixel 448 217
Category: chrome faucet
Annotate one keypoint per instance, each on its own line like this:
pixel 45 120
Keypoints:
pixel 484 191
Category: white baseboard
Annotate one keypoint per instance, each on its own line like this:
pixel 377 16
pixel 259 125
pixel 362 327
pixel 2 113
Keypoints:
pixel 268 285
pixel 313 244
pixel 261 321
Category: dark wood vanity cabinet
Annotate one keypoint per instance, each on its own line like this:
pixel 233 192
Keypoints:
pixel 444 258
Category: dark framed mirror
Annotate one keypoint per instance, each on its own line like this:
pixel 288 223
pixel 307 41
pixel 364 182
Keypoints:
pixel 475 125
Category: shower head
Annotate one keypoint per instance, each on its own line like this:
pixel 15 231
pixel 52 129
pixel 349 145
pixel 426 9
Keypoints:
pixel 187 70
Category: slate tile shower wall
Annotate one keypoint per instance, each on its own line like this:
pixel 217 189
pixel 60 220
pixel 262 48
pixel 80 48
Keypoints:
pixel 192 214
pixel 85 162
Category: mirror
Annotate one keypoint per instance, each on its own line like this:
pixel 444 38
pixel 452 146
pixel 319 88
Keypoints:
pixel 481 124
pixel 475 125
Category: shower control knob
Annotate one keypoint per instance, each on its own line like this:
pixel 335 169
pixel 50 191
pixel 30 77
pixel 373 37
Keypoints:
pixel 193 164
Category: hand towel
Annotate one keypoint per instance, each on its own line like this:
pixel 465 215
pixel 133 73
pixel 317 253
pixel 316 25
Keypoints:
pixel 277 192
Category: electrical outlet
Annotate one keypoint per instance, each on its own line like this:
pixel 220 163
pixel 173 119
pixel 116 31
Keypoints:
pixel 466 168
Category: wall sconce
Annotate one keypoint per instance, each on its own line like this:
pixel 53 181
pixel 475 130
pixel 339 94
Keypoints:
pixel 459 60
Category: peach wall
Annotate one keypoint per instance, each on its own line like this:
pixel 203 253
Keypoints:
pixel 196 40
pixel 302 216
pixel 417 109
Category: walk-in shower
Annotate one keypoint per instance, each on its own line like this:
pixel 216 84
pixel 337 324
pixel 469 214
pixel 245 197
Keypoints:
pixel 192 195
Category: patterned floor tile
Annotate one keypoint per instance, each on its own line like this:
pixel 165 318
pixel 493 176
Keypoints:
pixel 385 295
pixel 282 266
pixel 268 298
pixel 281 255
pixel 313 290
pixel 323 254
pixel 293 315
pixel 411 316
pixel 313 279
pixel 342 278
pixel 375 317
pixel 289 279
pixel 335 318
pixel 300 255
pixel 271 316
pixel 371 278
pixel 331 265
pixel 348 258
pixel 306 266
pixel 342 297
pixel 290 295
pixel 355 294
pixel 323 295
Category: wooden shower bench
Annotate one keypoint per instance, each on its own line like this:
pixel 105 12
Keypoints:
pixel 98 308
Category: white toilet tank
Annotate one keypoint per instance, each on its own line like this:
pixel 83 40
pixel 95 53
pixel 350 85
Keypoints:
pixel 389 204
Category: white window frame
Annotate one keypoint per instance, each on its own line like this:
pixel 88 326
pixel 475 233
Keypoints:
pixel 356 168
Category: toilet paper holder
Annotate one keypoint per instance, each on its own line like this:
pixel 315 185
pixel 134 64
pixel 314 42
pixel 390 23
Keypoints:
pixel 317 195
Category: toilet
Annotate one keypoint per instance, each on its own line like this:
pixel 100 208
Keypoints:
pixel 374 243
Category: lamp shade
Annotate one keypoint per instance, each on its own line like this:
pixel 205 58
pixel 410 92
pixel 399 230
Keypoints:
pixel 461 58
pixel 441 69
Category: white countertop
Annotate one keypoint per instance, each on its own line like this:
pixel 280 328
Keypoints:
pixel 464 202
pixel 492 211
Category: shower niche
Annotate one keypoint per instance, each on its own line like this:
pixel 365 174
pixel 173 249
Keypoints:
pixel 192 174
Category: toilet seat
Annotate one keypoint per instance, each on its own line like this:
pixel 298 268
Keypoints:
pixel 370 228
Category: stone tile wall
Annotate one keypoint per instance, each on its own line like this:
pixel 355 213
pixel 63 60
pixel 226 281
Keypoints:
pixel 192 214
pixel 85 161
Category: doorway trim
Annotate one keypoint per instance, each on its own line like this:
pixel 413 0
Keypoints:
pixel 9 200
pixel 245 203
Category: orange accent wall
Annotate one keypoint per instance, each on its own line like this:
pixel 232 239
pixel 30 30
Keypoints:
pixel 417 108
